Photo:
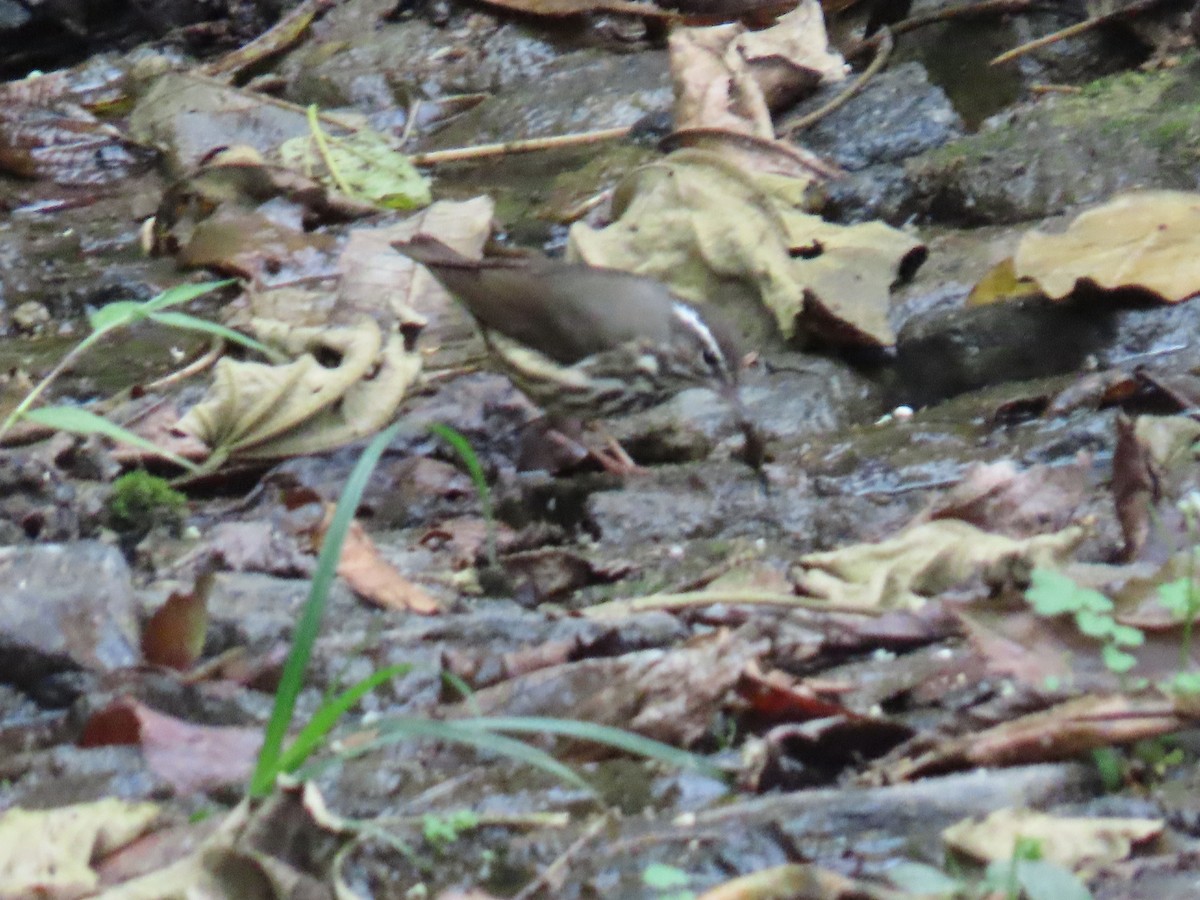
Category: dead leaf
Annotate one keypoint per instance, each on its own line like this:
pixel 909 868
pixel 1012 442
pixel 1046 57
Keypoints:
pixel 1135 487
pixel 259 411
pixel 791 880
pixel 254 855
pixel 924 560
pixel 1001 498
pixel 1148 240
pixel 1072 841
pixel 376 580
pixel 190 757
pixel 377 281
pixel 174 634
pixel 1065 731
pixel 1001 284
pixel 694 219
pixel 556 9
pixel 49 853
pixel 669 695
pixel 729 77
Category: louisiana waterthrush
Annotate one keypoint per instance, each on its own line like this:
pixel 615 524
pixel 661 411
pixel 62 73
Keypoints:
pixel 588 342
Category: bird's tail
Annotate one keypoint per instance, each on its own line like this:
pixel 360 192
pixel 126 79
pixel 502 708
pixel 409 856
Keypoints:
pixel 429 251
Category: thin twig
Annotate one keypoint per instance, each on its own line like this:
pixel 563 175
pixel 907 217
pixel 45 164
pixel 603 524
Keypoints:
pixel 556 868
pixel 282 36
pixel 1078 28
pixel 882 52
pixel 531 145
pixel 205 361
pixel 966 11
pixel 733 598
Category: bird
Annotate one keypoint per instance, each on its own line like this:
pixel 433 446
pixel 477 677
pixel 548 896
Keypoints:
pixel 588 342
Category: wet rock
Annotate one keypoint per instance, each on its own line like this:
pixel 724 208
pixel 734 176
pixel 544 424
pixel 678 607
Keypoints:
pixel 65 607
pixel 954 349
pixel 901 819
pixel 186 118
pixel 580 91
pixel 1131 130
pixel 950 351
pixel 474 53
pixel 67 774
pixel 722 501
pixel 897 116
pixel 798 396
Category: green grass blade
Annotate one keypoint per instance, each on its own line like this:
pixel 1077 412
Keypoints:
pixel 470 459
pixel 188 322
pixel 600 734
pixel 184 293
pixel 310 617
pixel 327 716
pixel 399 728
pixel 125 312
pixel 81 421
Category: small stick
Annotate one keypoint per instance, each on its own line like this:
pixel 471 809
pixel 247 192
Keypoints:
pixel 531 145
pixel 733 598
pixel 1133 9
pixel 882 52
pixel 556 869
pixel 205 361
pixel 281 36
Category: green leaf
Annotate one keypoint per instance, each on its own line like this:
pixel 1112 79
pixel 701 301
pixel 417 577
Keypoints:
pixel 80 421
pixel 1184 683
pixel 662 877
pixel 1117 661
pixel 1051 593
pixel 470 459
pixel 927 881
pixel 1097 625
pixel 114 315
pixel 184 293
pixel 1044 880
pixel 187 322
pixel 1179 596
pixel 1127 635
pixel 363 164
pixel 125 312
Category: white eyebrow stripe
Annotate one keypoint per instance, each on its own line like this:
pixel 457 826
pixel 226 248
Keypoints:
pixel 686 314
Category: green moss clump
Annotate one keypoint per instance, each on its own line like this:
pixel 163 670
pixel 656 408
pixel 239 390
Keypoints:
pixel 139 501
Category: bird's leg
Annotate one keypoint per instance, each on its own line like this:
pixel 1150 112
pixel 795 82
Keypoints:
pixel 613 458
pixel 557 445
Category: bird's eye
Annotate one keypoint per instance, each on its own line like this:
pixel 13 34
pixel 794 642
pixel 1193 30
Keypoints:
pixel 711 360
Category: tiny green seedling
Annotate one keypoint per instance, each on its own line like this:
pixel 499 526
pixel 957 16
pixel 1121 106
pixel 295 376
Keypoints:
pixel 1053 594
pixel 441 831
pixel 669 882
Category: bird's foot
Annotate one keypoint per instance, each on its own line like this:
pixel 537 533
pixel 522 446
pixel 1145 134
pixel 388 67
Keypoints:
pixel 561 448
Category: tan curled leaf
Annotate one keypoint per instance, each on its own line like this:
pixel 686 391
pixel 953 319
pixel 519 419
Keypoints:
pixel 696 219
pixel 1148 240
pixel 923 561
pixel 262 411
pixel 48 853
pixel 1074 842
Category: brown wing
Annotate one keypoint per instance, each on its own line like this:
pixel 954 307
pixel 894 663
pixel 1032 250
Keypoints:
pixel 568 312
